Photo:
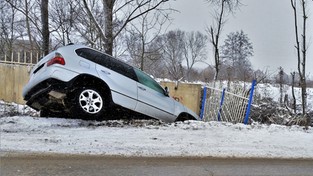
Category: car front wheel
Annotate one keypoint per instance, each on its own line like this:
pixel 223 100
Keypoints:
pixel 88 103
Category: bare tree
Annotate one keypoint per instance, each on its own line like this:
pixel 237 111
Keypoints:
pixel 25 21
pixel 117 15
pixel 223 8
pixel 194 50
pixel 63 16
pixel 142 33
pixel 99 22
pixel 301 47
pixel 85 26
pixel 171 45
pixel 23 8
pixel 8 23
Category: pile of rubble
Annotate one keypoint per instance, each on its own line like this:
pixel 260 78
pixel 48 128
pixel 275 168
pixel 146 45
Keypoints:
pixel 271 112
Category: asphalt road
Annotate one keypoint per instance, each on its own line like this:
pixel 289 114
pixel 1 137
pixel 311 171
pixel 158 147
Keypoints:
pixel 46 165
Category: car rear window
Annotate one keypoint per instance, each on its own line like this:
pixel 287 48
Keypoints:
pixel 108 62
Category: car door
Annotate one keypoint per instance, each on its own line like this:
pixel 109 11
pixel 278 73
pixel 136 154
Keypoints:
pixel 152 100
pixel 123 89
pixel 119 76
pixel 121 79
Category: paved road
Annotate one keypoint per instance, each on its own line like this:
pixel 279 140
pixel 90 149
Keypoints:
pixel 39 165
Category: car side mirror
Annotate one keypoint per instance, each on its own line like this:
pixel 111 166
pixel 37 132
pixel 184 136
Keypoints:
pixel 167 92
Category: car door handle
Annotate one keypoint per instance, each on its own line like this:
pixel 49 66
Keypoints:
pixel 106 72
pixel 141 88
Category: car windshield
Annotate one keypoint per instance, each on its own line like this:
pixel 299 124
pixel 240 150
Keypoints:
pixel 146 80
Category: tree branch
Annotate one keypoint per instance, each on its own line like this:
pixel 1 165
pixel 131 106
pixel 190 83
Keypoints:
pixel 94 20
pixel 130 18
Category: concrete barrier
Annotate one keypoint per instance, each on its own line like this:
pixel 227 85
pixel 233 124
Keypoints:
pixel 187 94
pixel 13 77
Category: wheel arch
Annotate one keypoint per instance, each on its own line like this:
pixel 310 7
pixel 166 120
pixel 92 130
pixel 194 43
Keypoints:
pixel 185 116
pixel 90 80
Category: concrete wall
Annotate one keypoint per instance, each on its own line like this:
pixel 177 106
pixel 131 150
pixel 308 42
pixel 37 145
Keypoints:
pixel 14 77
pixel 12 80
pixel 187 94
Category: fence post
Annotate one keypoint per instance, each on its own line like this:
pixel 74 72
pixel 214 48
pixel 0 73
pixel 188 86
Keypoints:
pixel 249 103
pixel 18 57
pixel 12 57
pixel 31 57
pixel 25 55
pixel 203 103
pixel 221 104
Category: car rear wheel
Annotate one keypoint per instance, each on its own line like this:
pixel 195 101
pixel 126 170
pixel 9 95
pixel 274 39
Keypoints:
pixel 89 103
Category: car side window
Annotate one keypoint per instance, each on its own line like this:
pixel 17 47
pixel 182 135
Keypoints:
pixel 148 81
pixel 87 54
pixel 107 61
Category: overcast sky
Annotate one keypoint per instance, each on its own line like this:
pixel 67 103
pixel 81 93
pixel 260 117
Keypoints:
pixel 268 23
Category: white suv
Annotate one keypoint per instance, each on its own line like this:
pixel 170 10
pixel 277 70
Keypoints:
pixel 81 82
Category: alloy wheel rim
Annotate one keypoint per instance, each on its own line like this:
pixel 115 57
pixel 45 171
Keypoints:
pixel 90 101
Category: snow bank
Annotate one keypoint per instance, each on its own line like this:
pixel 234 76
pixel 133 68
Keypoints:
pixel 152 138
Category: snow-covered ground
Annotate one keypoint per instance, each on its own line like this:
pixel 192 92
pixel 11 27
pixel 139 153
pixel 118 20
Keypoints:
pixel 153 138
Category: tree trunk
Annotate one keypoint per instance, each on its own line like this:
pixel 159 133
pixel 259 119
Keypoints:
pixel 215 38
pixel 301 50
pixel 293 93
pixel 142 56
pixel 108 44
pixel 45 26
pixel 302 75
pixel 28 26
pixel 281 77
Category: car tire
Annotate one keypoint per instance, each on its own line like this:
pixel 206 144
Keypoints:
pixel 183 117
pixel 88 103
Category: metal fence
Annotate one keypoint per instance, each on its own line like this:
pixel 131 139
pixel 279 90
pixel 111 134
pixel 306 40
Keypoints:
pixel 20 58
pixel 14 74
pixel 229 105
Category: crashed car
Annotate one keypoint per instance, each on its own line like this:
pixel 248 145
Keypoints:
pixel 85 83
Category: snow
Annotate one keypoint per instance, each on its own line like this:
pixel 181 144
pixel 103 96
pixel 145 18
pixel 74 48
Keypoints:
pixel 272 90
pixel 28 134
pixel 152 138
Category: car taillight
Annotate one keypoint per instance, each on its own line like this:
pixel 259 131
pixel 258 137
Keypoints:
pixel 57 59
